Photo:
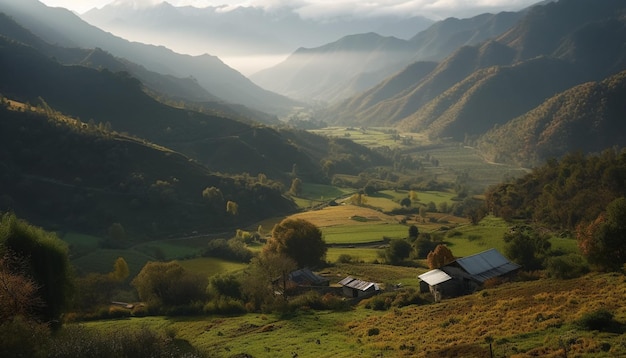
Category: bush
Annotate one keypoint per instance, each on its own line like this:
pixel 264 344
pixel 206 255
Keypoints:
pixel 225 305
pixel 373 331
pixel 23 338
pixel 599 320
pixel 567 266
pixel 76 341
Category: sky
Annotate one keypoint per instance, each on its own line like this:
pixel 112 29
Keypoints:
pixel 435 9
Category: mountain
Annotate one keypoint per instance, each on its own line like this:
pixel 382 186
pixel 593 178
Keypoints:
pixel 61 27
pixel 356 63
pixel 250 31
pixel 323 73
pixel 100 96
pixel 65 175
pixel 478 87
pixel 588 118
pixel 165 87
pixel 137 161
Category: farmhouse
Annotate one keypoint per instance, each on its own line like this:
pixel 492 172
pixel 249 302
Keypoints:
pixel 354 288
pixel 465 275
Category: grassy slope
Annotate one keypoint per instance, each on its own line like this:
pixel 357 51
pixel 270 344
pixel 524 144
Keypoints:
pixel 525 319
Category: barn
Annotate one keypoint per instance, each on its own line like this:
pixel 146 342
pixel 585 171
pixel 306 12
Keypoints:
pixel 355 288
pixel 466 274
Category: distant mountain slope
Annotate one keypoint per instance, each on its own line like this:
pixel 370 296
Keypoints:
pixel 392 107
pixel 355 63
pixel 166 87
pixel 323 73
pixel 68 176
pixel 491 96
pixel 251 31
pixel 589 117
pixel 222 144
pixel 456 99
pixel 59 26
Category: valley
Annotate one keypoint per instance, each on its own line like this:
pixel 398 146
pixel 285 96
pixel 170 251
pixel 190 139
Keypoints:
pixel 156 203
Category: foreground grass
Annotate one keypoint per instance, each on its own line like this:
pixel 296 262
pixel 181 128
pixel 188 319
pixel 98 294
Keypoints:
pixel 525 319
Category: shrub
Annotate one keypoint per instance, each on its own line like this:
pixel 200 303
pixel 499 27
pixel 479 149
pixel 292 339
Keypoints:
pixel 567 266
pixel 599 320
pixel 344 259
pixel 225 305
pixel 373 331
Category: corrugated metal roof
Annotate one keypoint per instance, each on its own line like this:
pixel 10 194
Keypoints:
pixel 306 276
pixel 434 277
pixel 346 280
pixel 358 284
pixel 486 265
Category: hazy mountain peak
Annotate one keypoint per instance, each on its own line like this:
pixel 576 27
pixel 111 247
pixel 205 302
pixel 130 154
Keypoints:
pixel 136 4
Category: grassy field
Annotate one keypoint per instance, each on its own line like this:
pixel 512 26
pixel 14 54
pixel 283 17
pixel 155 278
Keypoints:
pixel 210 266
pixel 524 319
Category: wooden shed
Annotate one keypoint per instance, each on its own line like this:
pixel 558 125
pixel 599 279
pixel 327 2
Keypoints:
pixel 466 274
pixel 355 288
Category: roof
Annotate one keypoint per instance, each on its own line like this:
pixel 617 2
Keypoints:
pixel 306 276
pixel 486 265
pixel 358 284
pixel 434 277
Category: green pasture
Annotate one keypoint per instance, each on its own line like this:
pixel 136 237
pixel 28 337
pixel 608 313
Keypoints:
pixel 209 266
pixel 358 254
pixel 308 334
pixel 359 234
pixel 323 192
pixel 170 249
pixel 102 260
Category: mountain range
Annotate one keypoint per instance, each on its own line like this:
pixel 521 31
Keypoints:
pixel 551 49
pixel 95 134
pixel 242 31
pixel 356 63
pixel 62 27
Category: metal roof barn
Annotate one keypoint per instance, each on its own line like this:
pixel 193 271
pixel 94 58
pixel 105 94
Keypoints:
pixel 434 277
pixel 487 264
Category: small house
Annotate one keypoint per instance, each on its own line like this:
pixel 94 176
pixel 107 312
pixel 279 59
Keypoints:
pixel 306 277
pixel 466 274
pixel 354 288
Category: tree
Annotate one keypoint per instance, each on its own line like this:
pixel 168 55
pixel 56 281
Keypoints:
pixel 213 195
pixel 602 241
pixel 299 240
pixel 168 284
pixel 413 196
pixel 257 284
pixel 18 292
pixel 117 232
pixel 439 257
pixel 232 208
pixel 406 202
pixel 526 247
pixel 120 270
pixel 296 187
pixel 47 263
pixel 397 251
pixel 413 232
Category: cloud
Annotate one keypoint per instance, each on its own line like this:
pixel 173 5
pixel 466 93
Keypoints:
pixel 334 8
pixel 365 8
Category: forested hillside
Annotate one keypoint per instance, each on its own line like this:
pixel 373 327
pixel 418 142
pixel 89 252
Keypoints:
pixel 69 175
pixel 551 49
pixel 588 117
